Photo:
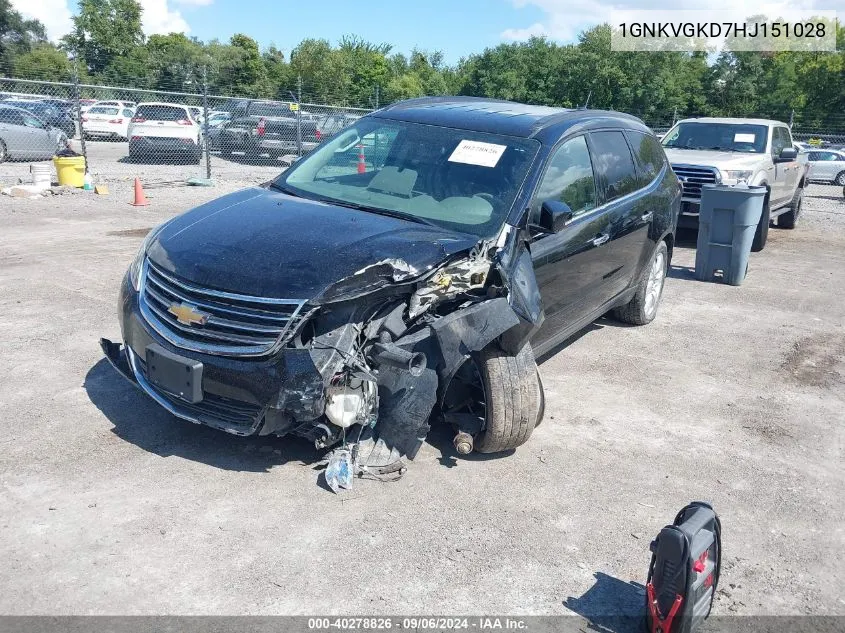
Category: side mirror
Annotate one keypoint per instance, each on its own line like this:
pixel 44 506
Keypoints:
pixel 787 155
pixel 554 216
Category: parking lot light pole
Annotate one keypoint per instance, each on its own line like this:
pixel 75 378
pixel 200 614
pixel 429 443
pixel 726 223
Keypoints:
pixel 205 121
pixel 299 116
pixel 78 108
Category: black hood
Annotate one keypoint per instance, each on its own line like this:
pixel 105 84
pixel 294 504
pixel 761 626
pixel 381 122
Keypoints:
pixel 265 243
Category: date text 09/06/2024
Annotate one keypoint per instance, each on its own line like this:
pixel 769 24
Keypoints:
pixel 417 623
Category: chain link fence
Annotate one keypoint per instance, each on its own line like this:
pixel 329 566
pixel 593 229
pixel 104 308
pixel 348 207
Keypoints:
pixel 159 136
pixel 168 137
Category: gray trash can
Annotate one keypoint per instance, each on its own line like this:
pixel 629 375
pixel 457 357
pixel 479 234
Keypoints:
pixel 727 222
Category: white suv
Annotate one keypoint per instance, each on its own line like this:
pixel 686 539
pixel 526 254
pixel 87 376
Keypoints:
pixel 161 130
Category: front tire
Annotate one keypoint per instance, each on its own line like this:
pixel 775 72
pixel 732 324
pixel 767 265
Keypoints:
pixel 840 179
pixel 512 394
pixel 4 154
pixel 642 309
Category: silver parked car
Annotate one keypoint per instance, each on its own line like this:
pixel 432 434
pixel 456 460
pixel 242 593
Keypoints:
pixel 827 166
pixel 23 136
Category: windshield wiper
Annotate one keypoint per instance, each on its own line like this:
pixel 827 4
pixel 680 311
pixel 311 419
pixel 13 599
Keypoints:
pixel 283 189
pixel 378 211
pixel 719 148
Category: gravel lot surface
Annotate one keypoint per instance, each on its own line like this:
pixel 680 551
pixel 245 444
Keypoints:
pixel 733 395
pixel 109 164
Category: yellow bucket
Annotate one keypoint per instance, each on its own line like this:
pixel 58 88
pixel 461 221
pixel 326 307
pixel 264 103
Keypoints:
pixel 70 170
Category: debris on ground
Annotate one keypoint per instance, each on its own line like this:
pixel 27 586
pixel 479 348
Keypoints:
pixel 339 471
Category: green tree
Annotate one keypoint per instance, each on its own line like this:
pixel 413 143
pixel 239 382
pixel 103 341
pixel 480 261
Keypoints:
pixel 104 30
pixel 17 35
pixel 276 70
pixel 315 62
pixel 174 62
pixel 44 62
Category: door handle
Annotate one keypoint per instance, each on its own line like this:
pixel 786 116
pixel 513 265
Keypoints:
pixel 601 239
pixel 647 217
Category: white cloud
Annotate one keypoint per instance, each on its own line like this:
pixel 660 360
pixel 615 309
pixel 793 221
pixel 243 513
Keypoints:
pixel 157 17
pixel 523 34
pixel 564 19
pixel 53 14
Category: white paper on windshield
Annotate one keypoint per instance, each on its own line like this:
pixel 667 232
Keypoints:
pixel 744 138
pixel 477 153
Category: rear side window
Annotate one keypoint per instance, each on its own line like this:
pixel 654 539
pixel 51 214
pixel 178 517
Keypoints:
pixel 161 113
pixel 649 155
pixel 569 178
pixel 613 164
pixel 10 116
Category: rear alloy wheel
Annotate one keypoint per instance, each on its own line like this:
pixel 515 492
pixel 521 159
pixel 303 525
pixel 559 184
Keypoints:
pixel 788 219
pixel 3 153
pixel 503 392
pixel 642 308
pixel 840 179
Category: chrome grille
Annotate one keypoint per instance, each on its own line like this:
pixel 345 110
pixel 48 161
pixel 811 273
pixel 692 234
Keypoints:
pixel 238 325
pixel 693 178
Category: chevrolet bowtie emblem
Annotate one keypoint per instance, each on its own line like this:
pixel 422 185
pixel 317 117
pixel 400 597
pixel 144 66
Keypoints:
pixel 187 315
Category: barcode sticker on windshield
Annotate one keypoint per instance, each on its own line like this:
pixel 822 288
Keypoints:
pixel 744 138
pixel 477 153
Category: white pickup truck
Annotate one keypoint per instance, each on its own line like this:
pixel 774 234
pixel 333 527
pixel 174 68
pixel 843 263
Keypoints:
pixel 728 151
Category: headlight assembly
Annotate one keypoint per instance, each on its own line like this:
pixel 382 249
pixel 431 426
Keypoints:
pixel 738 175
pixel 135 267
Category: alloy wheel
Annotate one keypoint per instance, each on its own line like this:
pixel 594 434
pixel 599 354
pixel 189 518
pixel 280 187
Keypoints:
pixel 654 285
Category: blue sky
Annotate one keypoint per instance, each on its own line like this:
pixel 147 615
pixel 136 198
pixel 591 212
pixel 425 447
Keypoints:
pixel 456 27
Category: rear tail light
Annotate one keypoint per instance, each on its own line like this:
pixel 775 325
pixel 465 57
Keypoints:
pixel 184 122
pixel 136 138
pixel 118 121
pixel 319 135
pixel 262 127
pixel 138 119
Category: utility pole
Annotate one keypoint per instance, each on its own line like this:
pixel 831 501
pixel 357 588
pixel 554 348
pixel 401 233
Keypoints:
pixel 675 116
pixel 205 121
pixel 377 96
pixel 299 115
pixel 791 119
pixel 79 112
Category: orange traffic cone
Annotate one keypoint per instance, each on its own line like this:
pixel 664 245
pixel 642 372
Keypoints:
pixel 362 161
pixel 140 198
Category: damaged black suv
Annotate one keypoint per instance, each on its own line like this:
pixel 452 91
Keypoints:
pixel 405 272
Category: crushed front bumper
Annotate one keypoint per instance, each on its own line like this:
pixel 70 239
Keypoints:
pixel 278 394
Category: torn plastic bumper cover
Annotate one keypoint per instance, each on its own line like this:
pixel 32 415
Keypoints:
pixel 378 352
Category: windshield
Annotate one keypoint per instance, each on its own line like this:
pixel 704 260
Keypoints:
pixel 458 179
pixel 731 137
